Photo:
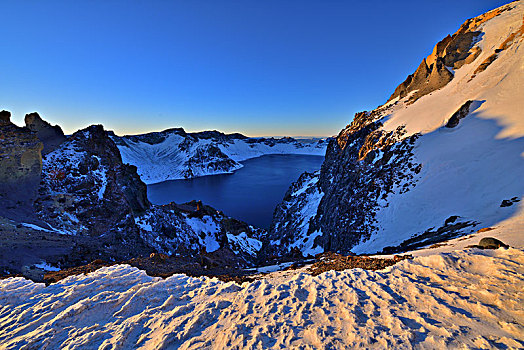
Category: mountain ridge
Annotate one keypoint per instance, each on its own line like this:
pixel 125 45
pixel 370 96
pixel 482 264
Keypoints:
pixel 458 144
pixel 175 154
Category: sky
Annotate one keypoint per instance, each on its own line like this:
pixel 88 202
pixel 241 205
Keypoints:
pixel 271 67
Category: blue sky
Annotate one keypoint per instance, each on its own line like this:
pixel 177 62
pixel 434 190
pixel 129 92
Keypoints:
pixel 271 67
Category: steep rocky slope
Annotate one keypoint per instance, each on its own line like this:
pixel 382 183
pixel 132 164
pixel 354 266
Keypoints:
pixel 175 154
pixel 443 157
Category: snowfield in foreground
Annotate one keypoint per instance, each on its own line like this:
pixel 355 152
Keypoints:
pixel 470 298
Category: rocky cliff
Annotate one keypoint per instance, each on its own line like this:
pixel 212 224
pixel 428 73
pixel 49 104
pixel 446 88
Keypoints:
pixel 87 189
pixel 20 162
pixel 87 204
pixel 436 161
pixel 452 52
pixel 21 152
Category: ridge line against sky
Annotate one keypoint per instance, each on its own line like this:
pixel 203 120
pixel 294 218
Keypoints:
pixel 258 68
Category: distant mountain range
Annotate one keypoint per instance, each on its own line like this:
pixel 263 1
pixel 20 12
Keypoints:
pixel 175 154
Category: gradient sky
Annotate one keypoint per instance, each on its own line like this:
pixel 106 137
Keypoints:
pixel 268 67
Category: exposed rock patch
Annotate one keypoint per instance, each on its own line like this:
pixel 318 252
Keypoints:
pixel 289 235
pixel 492 243
pixel 161 265
pixel 461 113
pixel 332 261
pixel 362 166
pixel 451 229
pixel 489 243
pixel 509 202
pixel 425 80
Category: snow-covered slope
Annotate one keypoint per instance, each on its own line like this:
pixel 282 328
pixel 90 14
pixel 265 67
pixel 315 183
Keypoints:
pixel 465 299
pixel 443 158
pixel 468 170
pixel 174 154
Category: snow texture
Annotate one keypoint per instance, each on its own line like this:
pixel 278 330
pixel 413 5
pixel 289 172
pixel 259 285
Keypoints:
pixel 46 267
pixel 470 299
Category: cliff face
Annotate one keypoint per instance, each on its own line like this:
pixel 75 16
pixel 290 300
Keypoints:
pixel 335 208
pixel 452 52
pixel 20 161
pixel 86 190
pixel 434 162
pixel 362 167
pixel 21 150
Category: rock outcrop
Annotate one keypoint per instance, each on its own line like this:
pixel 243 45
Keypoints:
pixel 86 190
pixel 425 80
pixel 20 161
pixel 461 113
pixel 449 54
pixel 492 243
pixel 362 167
pixel 50 135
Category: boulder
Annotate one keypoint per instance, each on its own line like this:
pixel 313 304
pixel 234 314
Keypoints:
pixel 491 243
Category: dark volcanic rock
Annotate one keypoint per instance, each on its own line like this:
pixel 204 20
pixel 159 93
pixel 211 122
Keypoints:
pixel 450 229
pixel 5 117
pixel 509 202
pixel 362 166
pixel 162 265
pixel 506 203
pixel 287 227
pixel 20 161
pixel 51 136
pixel 461 113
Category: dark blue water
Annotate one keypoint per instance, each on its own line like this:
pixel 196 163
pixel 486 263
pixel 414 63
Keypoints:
pixel 249 194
